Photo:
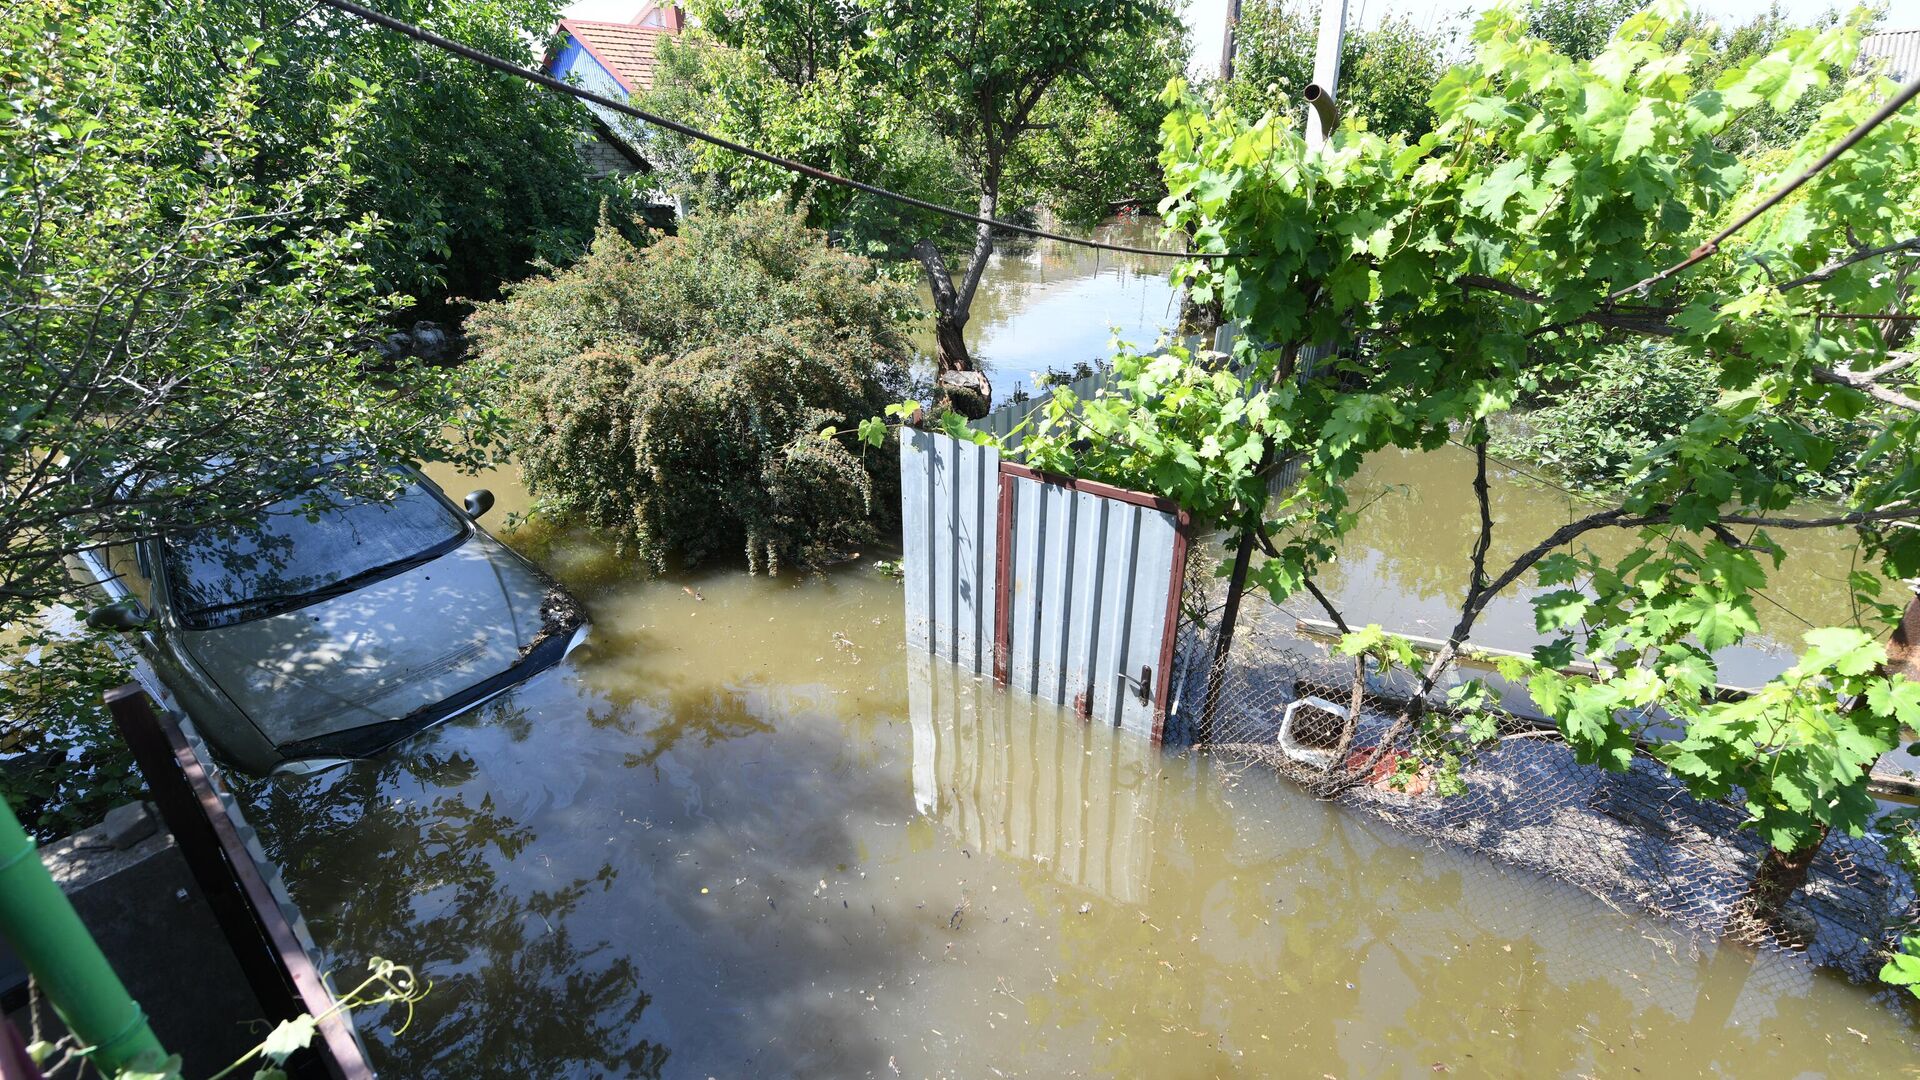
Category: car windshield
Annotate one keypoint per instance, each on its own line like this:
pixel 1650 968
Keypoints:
pixel 294 555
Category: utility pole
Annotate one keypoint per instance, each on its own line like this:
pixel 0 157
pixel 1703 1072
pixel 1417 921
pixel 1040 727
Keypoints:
pixel 1322 115
pixel 1228 44
pixel 1326 72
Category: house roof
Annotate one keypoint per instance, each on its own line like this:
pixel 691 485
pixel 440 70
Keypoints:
pixel 625 50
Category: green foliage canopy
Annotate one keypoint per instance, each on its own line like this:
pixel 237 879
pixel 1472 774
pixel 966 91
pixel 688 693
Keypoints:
pixel 184 297
pixel 1387 72
pixel 478 176
pixel 1003 106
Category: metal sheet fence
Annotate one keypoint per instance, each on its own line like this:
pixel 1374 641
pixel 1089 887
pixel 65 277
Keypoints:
pixel 1900 49
pixel 1068 590
pixel 950 517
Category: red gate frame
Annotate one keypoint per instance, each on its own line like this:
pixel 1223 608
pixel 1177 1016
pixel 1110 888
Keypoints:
pixel 1003 573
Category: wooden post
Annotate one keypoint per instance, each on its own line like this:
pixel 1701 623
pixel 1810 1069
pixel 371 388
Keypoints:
pixel 1223 638
pixel 1228 42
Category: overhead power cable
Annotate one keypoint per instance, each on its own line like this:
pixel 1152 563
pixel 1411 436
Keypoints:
pixel 1712 246
pixel 507 67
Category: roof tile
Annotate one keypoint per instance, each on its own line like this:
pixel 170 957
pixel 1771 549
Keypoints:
pixel 626 50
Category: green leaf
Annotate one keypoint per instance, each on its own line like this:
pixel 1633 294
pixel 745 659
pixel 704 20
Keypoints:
pixel 1500 185
pixel 1559 610
pixel 1718 623
pixel 1898 697
pixel 1840 649
pixel 1637 133
pixel 288 1038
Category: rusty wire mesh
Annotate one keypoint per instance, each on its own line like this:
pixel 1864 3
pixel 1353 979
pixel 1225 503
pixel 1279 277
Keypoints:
pixel 1636 840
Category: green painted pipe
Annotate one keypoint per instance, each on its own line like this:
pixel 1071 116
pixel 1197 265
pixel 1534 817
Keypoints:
pixel 45 932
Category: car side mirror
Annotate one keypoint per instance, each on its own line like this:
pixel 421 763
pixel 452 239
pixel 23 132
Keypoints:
pixel 479 501
pixel 128 614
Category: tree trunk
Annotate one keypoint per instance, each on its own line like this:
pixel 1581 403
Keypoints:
pixel 958 383
pixel 1763 916
pixel 1903 651
pixel 950 341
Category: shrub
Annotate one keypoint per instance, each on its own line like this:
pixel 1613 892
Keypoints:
pixel 673 393
pixel 1635 397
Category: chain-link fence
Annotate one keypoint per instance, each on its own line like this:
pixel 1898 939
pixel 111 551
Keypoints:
pixel 1281 699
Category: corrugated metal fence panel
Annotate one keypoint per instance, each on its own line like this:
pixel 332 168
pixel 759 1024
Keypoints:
pixel 1901 48
pixel 1088 601
pixel 949 508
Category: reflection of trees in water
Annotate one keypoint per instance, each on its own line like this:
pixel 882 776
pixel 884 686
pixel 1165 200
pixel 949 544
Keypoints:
pixel 1416 538
pixel 515 994
pixel 713 716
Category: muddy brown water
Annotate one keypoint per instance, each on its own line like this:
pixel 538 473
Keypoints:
pixel 1405 567
pixel 745 832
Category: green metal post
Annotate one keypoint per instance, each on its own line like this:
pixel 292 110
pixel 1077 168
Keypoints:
pixel 45 932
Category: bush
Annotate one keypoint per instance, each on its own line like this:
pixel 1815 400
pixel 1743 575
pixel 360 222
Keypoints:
pixel 674 393
pixel 1636 397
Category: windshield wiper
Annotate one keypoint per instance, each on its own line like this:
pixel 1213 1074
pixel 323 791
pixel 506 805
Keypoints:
pixel 274 605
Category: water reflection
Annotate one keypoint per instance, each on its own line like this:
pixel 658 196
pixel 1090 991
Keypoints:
pixel 1404 565
pixel 1045 306
pixel 1003 774
pixel 731 835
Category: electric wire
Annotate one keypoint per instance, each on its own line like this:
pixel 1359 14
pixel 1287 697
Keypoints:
pixel 1712 246
pixel 507 67
pixel 1706 250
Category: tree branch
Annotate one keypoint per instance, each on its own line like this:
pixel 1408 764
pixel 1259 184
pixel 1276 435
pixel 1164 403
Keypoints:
pixel 1827 272
pixel 1866 385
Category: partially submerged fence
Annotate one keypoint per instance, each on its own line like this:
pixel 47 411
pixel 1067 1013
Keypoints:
pixel 1067 589
pixel 241 886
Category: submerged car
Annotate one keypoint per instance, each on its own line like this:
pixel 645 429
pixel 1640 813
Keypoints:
pixel 312 636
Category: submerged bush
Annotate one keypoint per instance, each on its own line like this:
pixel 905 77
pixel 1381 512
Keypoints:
pixel 1634 398
pixel 673 393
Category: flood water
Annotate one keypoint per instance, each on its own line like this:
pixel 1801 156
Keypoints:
pixel 1405 564
pixel 1047 306
pixel 745 832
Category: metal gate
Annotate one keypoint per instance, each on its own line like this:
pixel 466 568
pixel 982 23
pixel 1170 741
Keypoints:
pixel 1067 589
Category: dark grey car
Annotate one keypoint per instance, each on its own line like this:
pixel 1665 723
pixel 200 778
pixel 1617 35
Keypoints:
pixel 303 639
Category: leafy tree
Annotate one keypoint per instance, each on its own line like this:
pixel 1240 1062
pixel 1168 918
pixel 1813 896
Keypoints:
pixel 829 118
pixel 674 392
pixel 1578 29
pixel 999 105
pixel 1443 279
pixel 182 339
pixel 478 176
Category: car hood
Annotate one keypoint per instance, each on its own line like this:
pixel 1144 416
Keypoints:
pixel 378 653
